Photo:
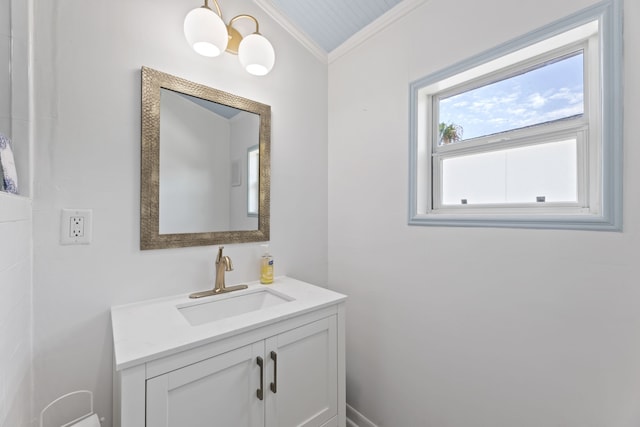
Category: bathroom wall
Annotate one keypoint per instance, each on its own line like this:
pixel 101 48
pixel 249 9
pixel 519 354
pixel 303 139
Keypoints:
pixel 15 311
pixel 14 85
pixel 5 72
pixel 16 324
pixel 87 83
pixel 471 326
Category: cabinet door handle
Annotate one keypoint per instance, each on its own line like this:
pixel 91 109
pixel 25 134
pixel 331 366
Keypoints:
pixel 274 384
pixel 260 391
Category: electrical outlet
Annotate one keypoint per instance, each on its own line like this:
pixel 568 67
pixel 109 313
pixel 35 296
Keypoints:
pixel 75 226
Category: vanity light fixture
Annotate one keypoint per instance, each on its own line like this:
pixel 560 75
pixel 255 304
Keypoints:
pixel 208 35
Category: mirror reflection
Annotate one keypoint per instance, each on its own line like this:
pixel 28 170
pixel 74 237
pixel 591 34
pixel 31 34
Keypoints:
pixel 208 170
pixel 205 171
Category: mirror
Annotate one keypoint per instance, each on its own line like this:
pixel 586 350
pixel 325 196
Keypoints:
pixel 205 167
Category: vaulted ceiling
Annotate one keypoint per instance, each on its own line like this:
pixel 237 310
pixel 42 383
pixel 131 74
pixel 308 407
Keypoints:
pixel 331 22
pixel 324 25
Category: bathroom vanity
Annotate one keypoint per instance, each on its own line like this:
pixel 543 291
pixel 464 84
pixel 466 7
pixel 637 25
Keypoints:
pixel 265 356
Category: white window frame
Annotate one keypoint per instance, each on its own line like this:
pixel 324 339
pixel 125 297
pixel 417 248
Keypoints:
pixel 598 131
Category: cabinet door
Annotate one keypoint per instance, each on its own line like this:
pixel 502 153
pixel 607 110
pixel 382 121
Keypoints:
pixel 216 392
pixel 302 375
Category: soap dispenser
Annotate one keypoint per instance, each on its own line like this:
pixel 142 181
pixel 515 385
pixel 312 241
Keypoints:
pixel 266 267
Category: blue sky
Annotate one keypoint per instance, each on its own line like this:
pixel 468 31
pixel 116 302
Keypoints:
pixel 544 94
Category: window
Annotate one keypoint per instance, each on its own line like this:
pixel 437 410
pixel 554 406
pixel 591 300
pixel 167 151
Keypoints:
pixel 515 141
pixel 525 135
pixel 253 180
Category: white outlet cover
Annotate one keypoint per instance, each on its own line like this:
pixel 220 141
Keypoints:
pixel 66 237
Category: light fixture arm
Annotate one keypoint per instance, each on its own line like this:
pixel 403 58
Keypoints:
pixel 206 4
pixel 235 18
pixel 234 35
pixel 255 21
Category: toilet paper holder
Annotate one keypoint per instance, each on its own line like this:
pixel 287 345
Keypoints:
pixel 76 420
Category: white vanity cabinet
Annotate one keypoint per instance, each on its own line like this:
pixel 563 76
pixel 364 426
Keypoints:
pixel 280 368
pixel 305 392
pixel 287 380
pixel 215 391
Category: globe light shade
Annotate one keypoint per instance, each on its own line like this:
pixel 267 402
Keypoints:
pixel 256 54
pixel 205 31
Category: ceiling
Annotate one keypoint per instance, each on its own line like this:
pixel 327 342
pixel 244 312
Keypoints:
pixel 329 23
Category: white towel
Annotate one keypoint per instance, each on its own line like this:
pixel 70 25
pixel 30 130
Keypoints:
pixel 9 174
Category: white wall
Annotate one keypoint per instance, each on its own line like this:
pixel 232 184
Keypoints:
pixel 87 82
pixel 16 324
pixel 5 72
pixel 15 311
pixel 466 326
pixel 14 85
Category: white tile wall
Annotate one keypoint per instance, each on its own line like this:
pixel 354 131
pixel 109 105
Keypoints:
pixel 14 84
pixel 5 81
pixel 5 71
pixel 5 17
pixel 15 319
pixel 16 299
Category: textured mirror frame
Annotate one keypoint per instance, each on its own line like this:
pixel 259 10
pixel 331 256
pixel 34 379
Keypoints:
pixel 150 237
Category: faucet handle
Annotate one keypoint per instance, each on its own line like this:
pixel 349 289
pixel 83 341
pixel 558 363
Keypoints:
pixel 228 265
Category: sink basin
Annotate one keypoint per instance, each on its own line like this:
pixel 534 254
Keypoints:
pixel 228 305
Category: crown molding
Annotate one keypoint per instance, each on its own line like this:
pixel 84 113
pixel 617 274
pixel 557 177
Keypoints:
pixel 291 28
pixel 399 11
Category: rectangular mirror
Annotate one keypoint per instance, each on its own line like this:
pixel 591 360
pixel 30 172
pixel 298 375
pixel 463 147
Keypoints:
pixel 205 171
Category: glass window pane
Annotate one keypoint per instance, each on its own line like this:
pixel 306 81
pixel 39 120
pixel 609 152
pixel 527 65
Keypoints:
pixel 514 175
pixel 553 91
pixel 253 187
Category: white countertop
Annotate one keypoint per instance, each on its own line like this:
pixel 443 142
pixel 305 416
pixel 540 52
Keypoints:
pixel 152 329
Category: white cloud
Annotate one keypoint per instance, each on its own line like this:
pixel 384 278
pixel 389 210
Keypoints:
pixel 566 94
pixel 519 111
pixel 492 109
pixel 536 100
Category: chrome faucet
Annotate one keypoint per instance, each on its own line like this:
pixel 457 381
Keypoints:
pixel 223 264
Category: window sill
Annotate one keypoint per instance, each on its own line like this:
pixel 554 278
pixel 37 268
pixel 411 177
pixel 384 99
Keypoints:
pixel 588 222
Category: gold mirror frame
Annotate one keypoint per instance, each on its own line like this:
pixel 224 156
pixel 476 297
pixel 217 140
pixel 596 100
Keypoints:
pixel 150 237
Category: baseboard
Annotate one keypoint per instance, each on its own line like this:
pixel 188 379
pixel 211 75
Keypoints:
pixel 356 419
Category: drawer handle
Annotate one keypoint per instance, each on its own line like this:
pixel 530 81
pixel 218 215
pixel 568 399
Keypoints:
pixel 274 384
pixel 260 391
